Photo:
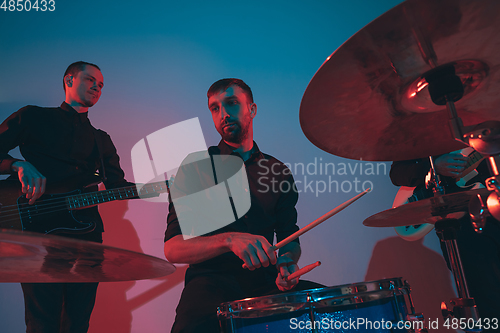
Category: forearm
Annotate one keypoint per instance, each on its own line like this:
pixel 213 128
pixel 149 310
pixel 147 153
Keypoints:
pixel 254 250
pixel 409 173
pixel 6 164
pixel 195 250
pixel 12 130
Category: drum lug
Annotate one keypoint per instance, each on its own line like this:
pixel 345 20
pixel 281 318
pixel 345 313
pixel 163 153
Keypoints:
pixel 414 318
pixel 407 289
pixel 310 299
pixel 221 314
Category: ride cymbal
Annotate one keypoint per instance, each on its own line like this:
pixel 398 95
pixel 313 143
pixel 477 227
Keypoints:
pixel 369 100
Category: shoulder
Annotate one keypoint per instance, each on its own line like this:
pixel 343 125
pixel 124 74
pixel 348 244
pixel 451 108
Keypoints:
pixel 103 135
pixel 194 162
pixel 33 110
pixel 101 132
pixel 31 114
pixel 104 141
pixel 270 166
pixel 271 161
pixel 196 156
pixel 271 158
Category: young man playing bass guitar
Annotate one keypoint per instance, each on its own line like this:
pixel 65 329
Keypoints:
pixel 59 145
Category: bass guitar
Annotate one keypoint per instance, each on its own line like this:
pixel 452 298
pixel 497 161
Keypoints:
pixel 406 194
pixel 56 211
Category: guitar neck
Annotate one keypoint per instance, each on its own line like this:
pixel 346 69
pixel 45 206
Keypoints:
pixel 85 200
pixel 473 159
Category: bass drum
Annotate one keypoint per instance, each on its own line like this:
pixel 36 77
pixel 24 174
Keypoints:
pixel 376 306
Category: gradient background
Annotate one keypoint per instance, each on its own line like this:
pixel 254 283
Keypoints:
pixel 158 59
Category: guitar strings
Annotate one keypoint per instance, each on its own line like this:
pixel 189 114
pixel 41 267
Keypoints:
pixel 113 194
pixel 61 204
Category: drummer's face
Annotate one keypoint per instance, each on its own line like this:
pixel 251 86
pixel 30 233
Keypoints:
pixel 232 113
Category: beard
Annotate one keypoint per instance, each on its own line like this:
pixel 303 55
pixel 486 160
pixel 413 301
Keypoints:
pixel 88 104
pixel 237 135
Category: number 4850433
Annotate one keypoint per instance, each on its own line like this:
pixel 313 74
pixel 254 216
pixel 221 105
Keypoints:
pixel 28 5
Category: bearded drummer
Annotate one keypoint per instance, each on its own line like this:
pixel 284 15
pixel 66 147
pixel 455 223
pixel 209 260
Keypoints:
pixel 236 261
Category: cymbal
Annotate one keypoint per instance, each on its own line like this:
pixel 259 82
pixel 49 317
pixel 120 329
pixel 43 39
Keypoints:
pixel 34 257
pixel 369 100
pixel 425 211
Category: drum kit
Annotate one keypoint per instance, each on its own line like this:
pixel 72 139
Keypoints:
pixel 387 94
pixel 378 304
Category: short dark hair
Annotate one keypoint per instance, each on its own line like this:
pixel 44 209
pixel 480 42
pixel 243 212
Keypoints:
pixel 76 68
pixel 223 84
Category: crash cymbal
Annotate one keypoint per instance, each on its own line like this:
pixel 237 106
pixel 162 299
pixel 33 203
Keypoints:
pixel 425 211
pixel 33 257
pixel 369 100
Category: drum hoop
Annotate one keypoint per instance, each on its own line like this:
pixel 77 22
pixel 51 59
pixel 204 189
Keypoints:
pixel 335 296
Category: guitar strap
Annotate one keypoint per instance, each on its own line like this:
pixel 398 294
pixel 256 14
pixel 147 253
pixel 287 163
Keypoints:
pixel 98 141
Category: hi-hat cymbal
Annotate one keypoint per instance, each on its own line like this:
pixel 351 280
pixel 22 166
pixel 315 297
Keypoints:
pixel 425 211
pixel 33 257
pixel 369 100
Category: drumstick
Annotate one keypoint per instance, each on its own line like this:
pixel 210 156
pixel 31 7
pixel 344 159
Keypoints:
pixel 302 271
pixel 318 221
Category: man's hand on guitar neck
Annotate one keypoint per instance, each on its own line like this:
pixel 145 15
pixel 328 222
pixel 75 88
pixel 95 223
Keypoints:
pixel 33 182
pixel 451 164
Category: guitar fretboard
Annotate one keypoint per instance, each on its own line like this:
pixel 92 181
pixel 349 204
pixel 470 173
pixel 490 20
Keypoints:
pixel 93 198
pixel 473 158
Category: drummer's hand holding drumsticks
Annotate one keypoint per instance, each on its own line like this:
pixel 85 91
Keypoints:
pixel 286 266
pixel 254 250
pixel 258 252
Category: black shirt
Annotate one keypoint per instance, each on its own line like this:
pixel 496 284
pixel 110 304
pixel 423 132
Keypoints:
pixel 273 197
pixel 60 143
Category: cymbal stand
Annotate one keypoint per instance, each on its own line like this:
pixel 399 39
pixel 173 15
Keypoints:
pixel 464 306
pixel 445 88
pixel 434 181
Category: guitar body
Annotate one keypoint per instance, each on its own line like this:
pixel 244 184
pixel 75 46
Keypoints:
pixel 49 214
pixel 409 232
pixel 406 195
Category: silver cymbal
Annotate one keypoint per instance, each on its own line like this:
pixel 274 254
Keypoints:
pixel 428 210
pixel 34 257
pixel 369 100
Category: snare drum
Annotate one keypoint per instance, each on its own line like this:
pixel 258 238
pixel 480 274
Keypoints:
pixel 375 306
